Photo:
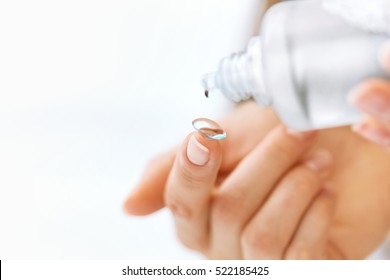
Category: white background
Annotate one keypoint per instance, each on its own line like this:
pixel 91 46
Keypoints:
pixel 89 91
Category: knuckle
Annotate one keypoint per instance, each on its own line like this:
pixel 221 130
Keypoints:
pixel 298 253
pixel 178 207
pixel 226 208
pixel 257 241
pixel 303 180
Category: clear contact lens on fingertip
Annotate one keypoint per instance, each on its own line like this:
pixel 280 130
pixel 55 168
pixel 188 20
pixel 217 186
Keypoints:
pixel 209 129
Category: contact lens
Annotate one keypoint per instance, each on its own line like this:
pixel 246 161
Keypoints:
pixel 209 129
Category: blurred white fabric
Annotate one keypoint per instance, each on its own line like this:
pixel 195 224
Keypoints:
pixel 90 90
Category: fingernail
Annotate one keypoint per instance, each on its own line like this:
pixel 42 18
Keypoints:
pixel 375 104
pixel 373 133
pixel 319 160
pixel 196 152
pixel 300 135
pixel 384 56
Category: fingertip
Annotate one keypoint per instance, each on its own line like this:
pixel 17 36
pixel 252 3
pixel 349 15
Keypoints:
pixel 199 151
pixel 358 95
pixel 131 207
pixel 140 204
pixel 373 131
pixel 373 98
pixel 126 207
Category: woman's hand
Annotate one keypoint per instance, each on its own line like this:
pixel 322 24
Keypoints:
pixel 273 205
pixel 373 98
pixel 359 177
pixel 245 126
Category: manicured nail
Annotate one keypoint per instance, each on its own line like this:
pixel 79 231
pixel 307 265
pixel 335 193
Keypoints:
pixel 301 135
pixel 319 160
pixel 196 152
pixel 376 104
pixel 373 133
pixel 384 55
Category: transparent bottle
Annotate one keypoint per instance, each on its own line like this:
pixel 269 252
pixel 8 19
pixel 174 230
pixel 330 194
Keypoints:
pixel 304 63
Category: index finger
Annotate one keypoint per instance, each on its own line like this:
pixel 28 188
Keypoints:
pixel 247 188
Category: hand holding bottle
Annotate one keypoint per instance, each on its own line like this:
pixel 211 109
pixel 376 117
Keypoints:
pixel 373 99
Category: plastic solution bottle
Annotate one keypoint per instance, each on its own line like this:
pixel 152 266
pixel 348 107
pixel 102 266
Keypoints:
pixel 304 63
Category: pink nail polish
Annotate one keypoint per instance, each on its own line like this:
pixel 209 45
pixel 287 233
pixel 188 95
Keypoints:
pixel 196 152
pixel 374 103
pixel 377 105
pixel 374 134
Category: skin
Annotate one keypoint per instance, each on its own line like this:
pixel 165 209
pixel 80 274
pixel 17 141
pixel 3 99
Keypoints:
pixel 373 98
pixel 265 193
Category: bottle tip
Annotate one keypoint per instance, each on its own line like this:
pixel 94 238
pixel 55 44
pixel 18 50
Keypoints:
pixel 208 83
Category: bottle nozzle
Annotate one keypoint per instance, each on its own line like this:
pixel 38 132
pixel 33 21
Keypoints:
pixel 239 76
pixel 208 83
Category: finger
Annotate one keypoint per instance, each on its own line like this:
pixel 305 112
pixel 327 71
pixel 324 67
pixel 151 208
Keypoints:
pixel 147 197
pixel 373 98
pixel 189 188
pixel 374 131
pixel 270 231
pixel 311 239
pixel 384 56
pixel 245 127
pixel 246 188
